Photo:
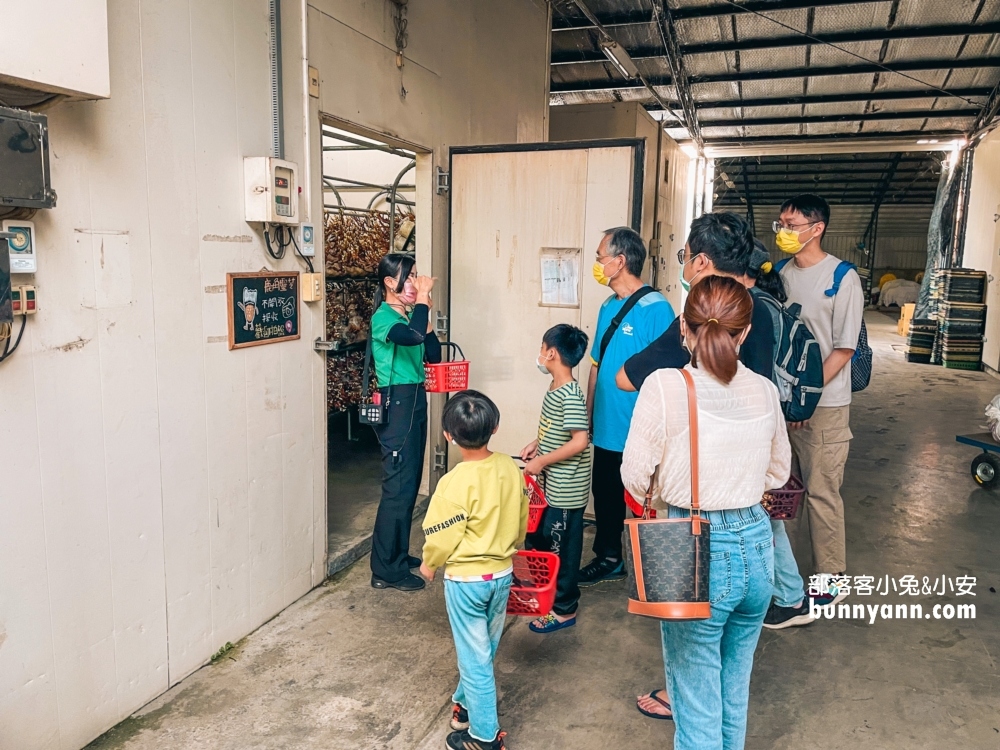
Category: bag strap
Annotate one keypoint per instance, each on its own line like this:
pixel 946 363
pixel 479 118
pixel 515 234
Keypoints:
pixel 696 519
pixel 631 302
pixel 781 264
pixel 843 268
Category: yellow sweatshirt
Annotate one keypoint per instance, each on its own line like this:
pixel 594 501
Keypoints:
pixel 477 517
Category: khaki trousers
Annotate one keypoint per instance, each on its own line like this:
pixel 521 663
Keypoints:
pixel 821 451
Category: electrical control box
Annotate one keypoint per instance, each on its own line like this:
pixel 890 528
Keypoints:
pixel 21 246
pixel 312 287
pixel 307 240
pixel 271 188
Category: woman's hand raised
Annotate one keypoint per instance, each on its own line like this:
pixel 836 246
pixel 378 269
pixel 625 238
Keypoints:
pixel 424 284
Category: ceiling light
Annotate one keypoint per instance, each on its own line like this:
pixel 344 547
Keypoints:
pixel 932 140
pixel 922 141
pixel 619 58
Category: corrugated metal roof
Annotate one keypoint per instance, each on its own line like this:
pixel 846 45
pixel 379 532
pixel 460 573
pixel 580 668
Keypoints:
pixel 781 59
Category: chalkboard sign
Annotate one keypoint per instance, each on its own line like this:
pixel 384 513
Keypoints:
pixel 263 307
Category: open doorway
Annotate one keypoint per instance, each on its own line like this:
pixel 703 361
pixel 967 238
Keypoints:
pixel 369 209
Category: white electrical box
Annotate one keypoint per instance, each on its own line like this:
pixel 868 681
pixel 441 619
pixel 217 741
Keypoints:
pixel 307 240
pixel 271 190
pixel 22 246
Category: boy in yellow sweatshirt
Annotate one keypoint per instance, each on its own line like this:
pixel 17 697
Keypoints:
pixel 476 519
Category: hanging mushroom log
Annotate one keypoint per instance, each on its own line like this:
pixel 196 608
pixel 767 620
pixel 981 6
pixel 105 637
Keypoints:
pixel 343 379
pixel 349 309
pixel 355 243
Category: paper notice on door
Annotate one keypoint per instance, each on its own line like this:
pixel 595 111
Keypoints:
pixel 560 277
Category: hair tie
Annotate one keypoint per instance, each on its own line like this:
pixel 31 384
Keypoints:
pixel 712 320
pixel 766 267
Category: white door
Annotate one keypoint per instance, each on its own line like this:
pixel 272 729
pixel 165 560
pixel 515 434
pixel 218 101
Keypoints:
pixel 511 209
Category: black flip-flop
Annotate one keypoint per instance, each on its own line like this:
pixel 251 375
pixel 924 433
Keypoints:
pixel 662 702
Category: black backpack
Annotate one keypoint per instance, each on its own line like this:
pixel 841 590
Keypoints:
pixel 861 362
pixel 798 362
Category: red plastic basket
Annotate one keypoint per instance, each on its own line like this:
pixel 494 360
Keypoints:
pixel 783 504
pixel 536 503
pixel 447 377
pixel 534 587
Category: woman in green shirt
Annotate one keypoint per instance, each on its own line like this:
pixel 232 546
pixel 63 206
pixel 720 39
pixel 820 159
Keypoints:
pixel 401 340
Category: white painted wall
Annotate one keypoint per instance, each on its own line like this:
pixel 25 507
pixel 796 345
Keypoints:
pixel 56 45
pixel 982 245
pixel 163 495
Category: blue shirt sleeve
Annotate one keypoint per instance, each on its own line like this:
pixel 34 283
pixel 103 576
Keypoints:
pixel 656 320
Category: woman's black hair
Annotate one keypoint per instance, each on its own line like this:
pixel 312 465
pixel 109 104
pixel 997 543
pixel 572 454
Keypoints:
pixel 393 266
pixel 471 418
pixel 767 280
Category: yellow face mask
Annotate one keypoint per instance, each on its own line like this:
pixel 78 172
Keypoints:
pixel 788 241
pixel 600 277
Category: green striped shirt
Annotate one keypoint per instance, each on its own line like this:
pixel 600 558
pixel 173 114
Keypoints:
pixel 567 483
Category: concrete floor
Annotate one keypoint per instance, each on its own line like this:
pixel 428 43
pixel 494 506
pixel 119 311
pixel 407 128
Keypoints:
pixel 349 667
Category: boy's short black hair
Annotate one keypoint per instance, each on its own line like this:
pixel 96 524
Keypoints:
pixel 471 418
pixel 725 238
pixel 813 207
pixel 569 341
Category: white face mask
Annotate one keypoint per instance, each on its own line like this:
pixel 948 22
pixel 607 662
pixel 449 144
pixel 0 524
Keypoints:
pixel 541 367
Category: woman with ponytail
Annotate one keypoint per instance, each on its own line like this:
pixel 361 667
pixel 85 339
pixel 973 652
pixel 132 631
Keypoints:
pixel 744 451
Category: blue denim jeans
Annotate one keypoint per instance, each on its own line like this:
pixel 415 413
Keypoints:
pixel 708 662
pixel 476 611
pixel 789 589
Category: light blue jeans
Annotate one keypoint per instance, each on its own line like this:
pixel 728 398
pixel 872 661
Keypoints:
pixel 476 611
pixel 708 662
pixel 789 589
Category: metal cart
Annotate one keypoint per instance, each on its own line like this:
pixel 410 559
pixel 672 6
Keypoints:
pixel 985 466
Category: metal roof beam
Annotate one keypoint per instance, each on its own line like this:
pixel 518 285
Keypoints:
pixel 895 135
pixel 843 37
pixel 675 59
pixel 642 18
pixel 860 96
pixel 902 66
pixel 914 114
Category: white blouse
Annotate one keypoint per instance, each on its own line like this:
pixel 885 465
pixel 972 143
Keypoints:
pixel 743 442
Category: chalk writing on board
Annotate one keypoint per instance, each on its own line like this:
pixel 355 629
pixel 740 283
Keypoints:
pixel 263 307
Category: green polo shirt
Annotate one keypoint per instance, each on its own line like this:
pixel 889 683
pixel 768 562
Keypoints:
pixel 406 362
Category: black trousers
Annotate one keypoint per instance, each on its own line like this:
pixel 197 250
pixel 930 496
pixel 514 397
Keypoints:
pixel 403 438
pixel 561 532
pixel 609 503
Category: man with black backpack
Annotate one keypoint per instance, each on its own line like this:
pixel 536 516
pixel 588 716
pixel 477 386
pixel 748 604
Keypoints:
pixel 829 294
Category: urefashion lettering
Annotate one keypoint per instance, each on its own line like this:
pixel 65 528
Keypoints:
pixel 444 524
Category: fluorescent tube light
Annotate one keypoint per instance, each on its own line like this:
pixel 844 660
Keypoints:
pixel 619 58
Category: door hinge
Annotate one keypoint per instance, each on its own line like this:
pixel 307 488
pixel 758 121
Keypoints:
pixel 443 182
pixel 440 459
pixel 441 324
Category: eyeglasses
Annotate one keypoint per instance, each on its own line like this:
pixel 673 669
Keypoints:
pixel 777 226
pixel 682 252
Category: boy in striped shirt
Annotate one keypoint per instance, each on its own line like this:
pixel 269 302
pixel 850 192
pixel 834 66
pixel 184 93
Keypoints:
pixel 562 452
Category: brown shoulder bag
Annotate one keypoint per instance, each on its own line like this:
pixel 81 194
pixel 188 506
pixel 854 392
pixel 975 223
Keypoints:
pixel 670 557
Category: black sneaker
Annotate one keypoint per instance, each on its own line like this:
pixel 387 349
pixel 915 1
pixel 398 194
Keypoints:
pixel 413 562
pixel 778 618
pixel 408 583
pixel 465 741
pixel 459 718
pixel 599 571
